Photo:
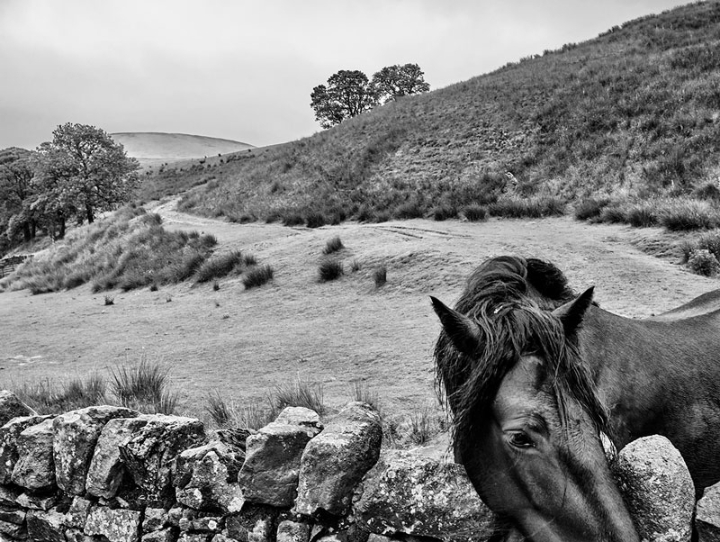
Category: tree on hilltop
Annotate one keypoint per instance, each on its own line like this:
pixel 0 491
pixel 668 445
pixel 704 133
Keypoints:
pixel 393 82
pixel 347 94
pixel 16 175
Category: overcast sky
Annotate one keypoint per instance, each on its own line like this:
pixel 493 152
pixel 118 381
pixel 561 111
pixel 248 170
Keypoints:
pixel 244 70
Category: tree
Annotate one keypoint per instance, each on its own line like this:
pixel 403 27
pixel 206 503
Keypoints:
pixel 393 82
pixel 347 94
pixel 16 192
pixel 83 171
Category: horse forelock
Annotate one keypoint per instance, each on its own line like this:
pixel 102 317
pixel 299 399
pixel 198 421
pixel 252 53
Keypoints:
pixel 509 298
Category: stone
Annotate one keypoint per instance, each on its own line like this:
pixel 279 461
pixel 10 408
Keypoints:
pixel 194 537
pixel 9 495
pixel 48 526
pixel 178 515
pixel 116 525
pixel 11 529
pixel 292 531
pixel 151 452
pixel 335 461
pixel 299 416
pixel 222 538
pixel 205 478
pixel 76 433
pixel 208 524
pixel 155 519
pixel 77 514
pixel 12 515
pixel 37 501
pixel 163 535
pixel 414 495
pixel 707 518
pixel 8 443
pixel 12 407
pixel 35 466
pixel 378 538
pixel 107 468
pixel 256 523
pixel 657 489
pixel 271 470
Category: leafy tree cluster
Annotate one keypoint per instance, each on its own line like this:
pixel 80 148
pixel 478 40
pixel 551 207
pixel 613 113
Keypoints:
pixel 349 92
pixel 80 173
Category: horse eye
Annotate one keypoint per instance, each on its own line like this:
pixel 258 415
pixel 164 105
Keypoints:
pixel 521 439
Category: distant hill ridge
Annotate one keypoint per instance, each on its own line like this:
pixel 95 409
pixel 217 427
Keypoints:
pixel 633 112
pixel 155 148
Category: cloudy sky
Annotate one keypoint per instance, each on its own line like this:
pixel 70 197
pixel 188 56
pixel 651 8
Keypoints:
pixel 244 70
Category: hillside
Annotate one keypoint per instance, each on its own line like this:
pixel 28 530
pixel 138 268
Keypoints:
pixel 154 148
pixel 633 112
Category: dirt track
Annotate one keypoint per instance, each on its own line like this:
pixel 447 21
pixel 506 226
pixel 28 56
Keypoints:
pixel 243 343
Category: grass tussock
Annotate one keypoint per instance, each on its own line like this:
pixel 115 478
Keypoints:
pixel 46 397
pixel 359 390
pixel 220 265
pixel 144 387
pixel 330 270
pixel 380 276
pixel 333 245
pixel 298 393
pixel 258 276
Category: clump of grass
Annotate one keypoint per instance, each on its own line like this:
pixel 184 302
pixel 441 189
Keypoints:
pixel 299 393
pixel 47 397
pixel 380 276
pixel 643 215
pixel 360 391
pixel 219 266
pixel 258 276
pixel 220 411
pixel 422 427
pixel 109 300
pixel 710 242
pixel 330 270
pixel 144 387
pixel 689 215
pixel 315 220
pixel 444 212
pixel 333 245
pixel 703 262
pixel 355 266
pixel 590 209
pixel 475 213
pixel 249 260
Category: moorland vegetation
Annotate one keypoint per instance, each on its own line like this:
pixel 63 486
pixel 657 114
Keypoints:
pixel 630 116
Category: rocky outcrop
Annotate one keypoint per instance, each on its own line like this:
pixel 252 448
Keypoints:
pixel 657 489
pixel 272 464
pixel 335 461
pixel 406 493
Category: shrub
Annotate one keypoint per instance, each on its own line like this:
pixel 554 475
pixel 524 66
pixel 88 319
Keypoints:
pixel 590 209
pixel 299 393
pixel 293 219
pixel 708 191
pixel 710 242
pixel 330 270
pixel 408 210
pixel 333 245
pixel 444 212
pixel 380 276
pixel 144 387
pixel 475 213
pixel 315 220
pixel 258 276
pixel 55 398
pixel 688 215
pixel 219 266
pixel 702 262
pixel 643 215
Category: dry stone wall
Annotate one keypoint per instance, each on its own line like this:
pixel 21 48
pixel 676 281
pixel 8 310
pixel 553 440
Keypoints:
pixel 111 474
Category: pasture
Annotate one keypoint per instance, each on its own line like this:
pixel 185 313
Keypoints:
pixel 242 343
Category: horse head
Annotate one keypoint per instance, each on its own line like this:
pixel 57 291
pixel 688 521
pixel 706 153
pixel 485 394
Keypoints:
pixel 527 419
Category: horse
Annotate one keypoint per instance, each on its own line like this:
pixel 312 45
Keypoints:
pixel 537 377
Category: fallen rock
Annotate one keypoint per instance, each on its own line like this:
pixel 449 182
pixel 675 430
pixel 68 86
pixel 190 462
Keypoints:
pixel 76 433
pixel 707 518
pixel 407 493
pixel 8 443
pixel 657 488
pixel 335 461
pixel 292 531
pixel 12 407
pixel 150 453
pixel 205 476
pixel 116 525
pixel 47 526
pixel 35 467
pixel 107 468
pixel 272 463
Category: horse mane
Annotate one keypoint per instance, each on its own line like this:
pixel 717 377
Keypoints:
pixel 510 298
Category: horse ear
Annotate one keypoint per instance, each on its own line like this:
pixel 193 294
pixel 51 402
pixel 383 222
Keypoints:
pixel 572 313
pixel 462 331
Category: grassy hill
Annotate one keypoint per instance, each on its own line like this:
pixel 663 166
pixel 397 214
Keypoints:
pixel 634 112
pixel 154 148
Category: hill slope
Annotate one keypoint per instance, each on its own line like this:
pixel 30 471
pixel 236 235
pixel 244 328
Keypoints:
pixel 634 112
pixel 154 148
